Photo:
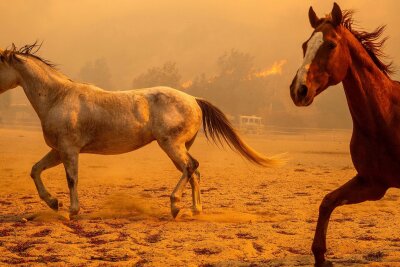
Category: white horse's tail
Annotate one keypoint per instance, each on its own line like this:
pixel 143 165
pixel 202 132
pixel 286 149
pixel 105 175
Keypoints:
pixel 217 128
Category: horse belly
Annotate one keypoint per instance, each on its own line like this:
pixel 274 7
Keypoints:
pixel 117 142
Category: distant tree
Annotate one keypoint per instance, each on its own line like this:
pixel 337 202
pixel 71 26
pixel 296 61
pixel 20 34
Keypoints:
pixel 234 89
pixel 200 86
pixel 235 64
pixel 166 75
pixel 96 72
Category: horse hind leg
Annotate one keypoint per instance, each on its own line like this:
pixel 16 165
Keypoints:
pixel 176 195
pixel 196 195
pixel 51 159
pixel 195 183
pixel 186 164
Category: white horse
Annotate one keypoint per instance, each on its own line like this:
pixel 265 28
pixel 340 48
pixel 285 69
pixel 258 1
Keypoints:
pixel 82 118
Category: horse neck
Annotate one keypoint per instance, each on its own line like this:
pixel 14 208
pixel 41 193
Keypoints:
pixel 368 90
pixel 41 83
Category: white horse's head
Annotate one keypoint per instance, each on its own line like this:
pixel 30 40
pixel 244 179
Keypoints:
pixel 9 77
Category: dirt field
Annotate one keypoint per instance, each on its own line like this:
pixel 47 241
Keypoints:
pixel 252 216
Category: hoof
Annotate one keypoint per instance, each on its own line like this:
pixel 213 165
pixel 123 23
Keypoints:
pixel 324 264
pixel 175 212
pixel 53 204
pixel 73 213
pixel 197 210
pixel 74 217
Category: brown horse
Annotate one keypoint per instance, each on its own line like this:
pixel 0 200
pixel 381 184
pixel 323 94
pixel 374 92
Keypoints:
pixel 335 53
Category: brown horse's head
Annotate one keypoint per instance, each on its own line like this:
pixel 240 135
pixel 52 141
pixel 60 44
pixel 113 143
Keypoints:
pixel 326 58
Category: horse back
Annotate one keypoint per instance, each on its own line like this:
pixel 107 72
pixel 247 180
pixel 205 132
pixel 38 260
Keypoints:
pixel 103 122
pixel 97 121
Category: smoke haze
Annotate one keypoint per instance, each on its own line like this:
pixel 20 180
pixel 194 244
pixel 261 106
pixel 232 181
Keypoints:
pixel 133 36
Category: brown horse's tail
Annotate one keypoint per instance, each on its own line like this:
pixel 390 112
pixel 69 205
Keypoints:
pixel 217 128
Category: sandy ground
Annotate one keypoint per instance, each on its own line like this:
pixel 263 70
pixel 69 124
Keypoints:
pixel 252 216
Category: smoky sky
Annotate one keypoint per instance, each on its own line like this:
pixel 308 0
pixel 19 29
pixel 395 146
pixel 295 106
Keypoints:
pixel 132 36
pixel 135 35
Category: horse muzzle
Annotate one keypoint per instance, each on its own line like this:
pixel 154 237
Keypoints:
pixel 300 94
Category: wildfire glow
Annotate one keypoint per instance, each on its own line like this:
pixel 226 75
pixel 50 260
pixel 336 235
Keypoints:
pixel 187 84
pixel 276 68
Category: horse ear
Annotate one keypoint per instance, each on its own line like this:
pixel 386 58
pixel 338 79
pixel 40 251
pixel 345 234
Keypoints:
pixel 336 15
pixel 313 18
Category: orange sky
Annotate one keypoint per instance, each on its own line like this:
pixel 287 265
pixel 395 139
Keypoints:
pixel 132 35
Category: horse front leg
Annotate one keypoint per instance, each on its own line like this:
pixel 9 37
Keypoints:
pixel 51 159
pixel 356 190
pixel 70 161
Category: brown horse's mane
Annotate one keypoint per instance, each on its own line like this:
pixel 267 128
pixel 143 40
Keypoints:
pixel 371 41
pixel 10 54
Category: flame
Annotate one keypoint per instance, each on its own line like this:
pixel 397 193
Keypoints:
pixel 186 84
pixel 276 68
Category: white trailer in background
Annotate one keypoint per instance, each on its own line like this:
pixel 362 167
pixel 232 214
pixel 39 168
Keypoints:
pixel 251 124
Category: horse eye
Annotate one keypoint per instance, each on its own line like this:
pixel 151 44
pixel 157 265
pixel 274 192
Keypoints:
pixel 332 45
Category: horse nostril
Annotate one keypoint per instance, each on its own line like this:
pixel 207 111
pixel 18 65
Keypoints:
pixel 303 90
